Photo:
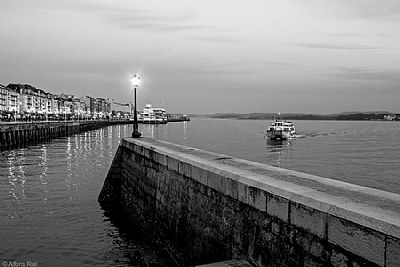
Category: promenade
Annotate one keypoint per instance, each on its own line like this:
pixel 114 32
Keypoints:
pixel 19 134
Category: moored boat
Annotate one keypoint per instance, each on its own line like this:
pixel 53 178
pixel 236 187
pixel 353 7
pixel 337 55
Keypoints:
pixel 153 115
pixel 281 130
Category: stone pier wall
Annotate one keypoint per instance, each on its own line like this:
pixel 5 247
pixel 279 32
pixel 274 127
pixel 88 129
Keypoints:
pixel 206 207
pixel 20 134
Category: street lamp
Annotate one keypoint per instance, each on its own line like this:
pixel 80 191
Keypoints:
pixel 135 80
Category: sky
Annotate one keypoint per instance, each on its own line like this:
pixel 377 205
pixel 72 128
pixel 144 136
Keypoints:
pixel 204 56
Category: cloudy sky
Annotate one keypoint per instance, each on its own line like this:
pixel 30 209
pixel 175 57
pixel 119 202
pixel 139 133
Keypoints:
pixel 208 56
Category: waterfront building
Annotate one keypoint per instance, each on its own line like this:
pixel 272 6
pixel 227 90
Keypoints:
pixel 79 108
pixel 27 97
pixel 3 99
pixel 85 105
pixel 24 99
pixel 64 105
pixel 101 107
pixel 13 101
pixel 53 105
pixel 93 106
pixel 31 99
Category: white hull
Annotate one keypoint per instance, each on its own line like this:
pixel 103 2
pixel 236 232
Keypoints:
pixel 276 134
pixel 152 115
pixel 281 130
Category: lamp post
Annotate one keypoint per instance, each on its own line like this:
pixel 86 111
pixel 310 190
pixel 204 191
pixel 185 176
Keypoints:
pixel 135 80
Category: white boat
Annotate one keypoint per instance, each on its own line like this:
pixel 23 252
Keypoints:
pixel 153 115
pixel 281 129
pixel 160 115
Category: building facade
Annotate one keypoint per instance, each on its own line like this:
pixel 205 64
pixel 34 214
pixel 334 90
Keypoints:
pixel 23 99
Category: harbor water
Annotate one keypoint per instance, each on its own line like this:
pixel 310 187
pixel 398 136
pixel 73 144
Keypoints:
pixel 49 212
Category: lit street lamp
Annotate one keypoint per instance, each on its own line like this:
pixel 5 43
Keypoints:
pixel 135 80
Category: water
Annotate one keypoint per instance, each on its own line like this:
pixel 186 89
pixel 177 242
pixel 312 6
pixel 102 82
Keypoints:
pixel 48 193
pixel 48 206
pixel 365 153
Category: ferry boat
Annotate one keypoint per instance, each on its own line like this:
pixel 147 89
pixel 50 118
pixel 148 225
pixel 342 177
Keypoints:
pixel 281 130
pixel 153 115
pixel 160 115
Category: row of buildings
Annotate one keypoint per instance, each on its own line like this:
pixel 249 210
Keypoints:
pixel 25 99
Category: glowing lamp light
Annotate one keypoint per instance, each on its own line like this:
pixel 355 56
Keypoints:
pixel 135 80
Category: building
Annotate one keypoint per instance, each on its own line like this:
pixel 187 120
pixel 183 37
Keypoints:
pixel 389 117
pixel 3 99
pixel 93 107
pixel 85 105
pixel 27 99
pixel 12 101
pixel 122 108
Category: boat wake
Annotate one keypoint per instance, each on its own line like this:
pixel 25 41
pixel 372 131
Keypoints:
pixel 332 133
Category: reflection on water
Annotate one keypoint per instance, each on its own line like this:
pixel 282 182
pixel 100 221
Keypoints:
pixel 185 130
pixel 48 193
pixel 48 204
pixel 172 132
pixel 148 130
pixel 278 150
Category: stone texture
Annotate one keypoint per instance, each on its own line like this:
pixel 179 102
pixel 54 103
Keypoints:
pixel 338 259
pixel 357 239
pixel 200 205
pixel 393 252
pixel 257 198
pixel 278 207
pixel 310 219
pixel 230 263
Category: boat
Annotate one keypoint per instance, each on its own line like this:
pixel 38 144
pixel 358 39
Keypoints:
pixel 160 115
pixel 178 117
pixel 281 130
pixel 153 115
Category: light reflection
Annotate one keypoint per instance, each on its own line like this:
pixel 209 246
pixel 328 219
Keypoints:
pixel 12 179
pixel 15 161
pixel 155 131
pixel 148 130
pixel 278 150
pixel 110 136
pixel 185 126
pixel 43 175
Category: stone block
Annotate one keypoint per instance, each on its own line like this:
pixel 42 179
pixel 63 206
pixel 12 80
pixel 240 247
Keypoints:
pixel 276 228
pixel 309 262
pixel 304 240
pixel 229 263
pixel 185 169
pixel 308 218
pixel 338 259
pixel 357 239
pixel 199 174
pixel 392 252
pixel 316 249
pixel 278 207
pixel 257 198
pixel 216 181
pixel 232 189
pixel 146 152
pixel 161 159
pixel 173 164
pixel 243 192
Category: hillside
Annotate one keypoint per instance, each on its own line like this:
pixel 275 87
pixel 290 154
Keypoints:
pixel 371 115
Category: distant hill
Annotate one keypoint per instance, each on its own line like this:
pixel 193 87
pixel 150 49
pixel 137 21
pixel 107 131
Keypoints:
pixel 370 115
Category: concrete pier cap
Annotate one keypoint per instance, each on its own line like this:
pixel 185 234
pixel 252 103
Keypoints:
pixel 323 221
